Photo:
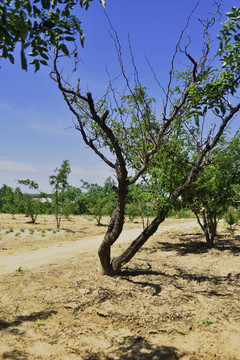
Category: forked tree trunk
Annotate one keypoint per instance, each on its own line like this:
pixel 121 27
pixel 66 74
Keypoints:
pixel 129 253
pixel 208 226
pixel 109 267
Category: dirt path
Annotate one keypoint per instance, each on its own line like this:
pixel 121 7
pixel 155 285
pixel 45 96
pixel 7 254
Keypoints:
pixel 51 254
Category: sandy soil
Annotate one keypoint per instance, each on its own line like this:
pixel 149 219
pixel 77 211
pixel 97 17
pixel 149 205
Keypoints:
pixel 174 300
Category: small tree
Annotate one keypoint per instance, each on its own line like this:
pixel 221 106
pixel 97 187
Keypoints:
pixel 59 182
pixel 139 203
pixel 99 199
pixel 10 200
pixel 213 191
pixel 68 208
pixel 31 205
pixel 76 196
pixel 231 216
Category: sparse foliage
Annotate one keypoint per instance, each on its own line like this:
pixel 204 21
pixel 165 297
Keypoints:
pixel 212 193
pixel 99 199
pixel 59 182
pixel 31 204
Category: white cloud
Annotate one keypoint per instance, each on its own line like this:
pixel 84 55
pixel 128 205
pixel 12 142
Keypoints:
pixel 93 170
pixel 11 170
pixel 94 174
pixel 14 166
pixel 45 129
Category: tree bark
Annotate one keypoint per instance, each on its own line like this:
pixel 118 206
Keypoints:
pixel 114 230
pixel 129 253
pixel 209 227
pixel 213 231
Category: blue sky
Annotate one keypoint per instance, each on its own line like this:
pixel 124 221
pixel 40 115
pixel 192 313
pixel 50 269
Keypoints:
pixel 36 129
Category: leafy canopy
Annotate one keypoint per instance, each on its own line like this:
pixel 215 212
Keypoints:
pixel 39 25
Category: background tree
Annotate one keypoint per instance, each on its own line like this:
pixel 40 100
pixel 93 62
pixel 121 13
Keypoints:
pixel 10 200
pixel 68 208
pixel 211 194
pixel 39 25
pixel 31 204
pixel 76 196
pixel 59 182
pixel 135 138
pixel 232 216
pixel 99 199
pixel 139 203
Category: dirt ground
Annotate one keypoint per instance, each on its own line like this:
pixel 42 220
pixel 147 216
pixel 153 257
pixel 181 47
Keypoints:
pixel 174 300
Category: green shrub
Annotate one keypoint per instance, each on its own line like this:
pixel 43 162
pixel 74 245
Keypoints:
pixel 231 216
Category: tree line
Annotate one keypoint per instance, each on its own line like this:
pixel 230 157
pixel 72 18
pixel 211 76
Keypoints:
pixel 213 196
pixel 66 200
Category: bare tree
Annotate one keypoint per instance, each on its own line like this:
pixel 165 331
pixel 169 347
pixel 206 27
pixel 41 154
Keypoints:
pixel 134 137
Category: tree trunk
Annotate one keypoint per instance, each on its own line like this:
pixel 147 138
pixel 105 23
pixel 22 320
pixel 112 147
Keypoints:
pixel 114 230
pixel 141 214
pixel 213 231
pixel 128 254
pixel 205 227
pixel 209 227
pixel 115 227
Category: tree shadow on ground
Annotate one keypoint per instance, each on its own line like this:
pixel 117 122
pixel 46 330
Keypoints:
pixel 127 273
pixel 231 244
pixel 191 244
pixel 156 287
pixel 154 278
pixel 138 348
pixel 32 317
pixel 15 355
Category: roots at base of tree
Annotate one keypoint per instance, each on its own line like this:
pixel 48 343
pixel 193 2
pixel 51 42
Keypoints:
pixel 110 269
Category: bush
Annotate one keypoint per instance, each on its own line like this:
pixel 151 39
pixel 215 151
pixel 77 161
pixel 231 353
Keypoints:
pixel 231 216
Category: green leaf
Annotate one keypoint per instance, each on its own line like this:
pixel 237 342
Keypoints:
pixel 103 3
pixel 82 39
pixel 44 56
pixel 204 110
pixel 222 107
pixel 207 321
pixel 11 58
pixel 37 66
pixel 45 4
pixel 39 323
pixel 23 59
pixel 69 38
pixel 43 62
pixel 196 118
pixel 64 49
pixel 33 53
